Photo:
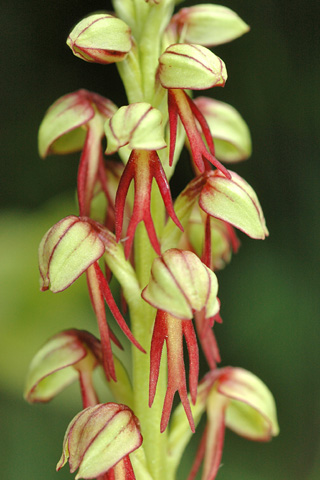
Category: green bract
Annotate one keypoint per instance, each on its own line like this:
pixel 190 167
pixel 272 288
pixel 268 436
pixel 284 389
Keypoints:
pixel 191 67
pixel 230 132
pixel 100 38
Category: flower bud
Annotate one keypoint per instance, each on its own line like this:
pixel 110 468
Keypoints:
pixel 62 129
pixel 181 284
pixel 191 67
pixel 100 38
pixel 232 140
pixel 66 251
pixel 208 25
pixel 98 438
pixel 138 125
pixel 57 363
pixel 234 201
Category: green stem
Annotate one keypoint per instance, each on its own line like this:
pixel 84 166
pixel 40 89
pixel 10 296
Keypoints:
pixel 142 320
pixel 150 45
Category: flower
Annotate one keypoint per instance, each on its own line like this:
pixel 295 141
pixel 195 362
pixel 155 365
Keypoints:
pixel 138 125
pixel 100 437
pixel 181 284
pixel 71 247
pixel 237 399
pixel 234 201
pixel 180 287
pixel 67 250
pixel 100 38
pixel 231 200
pixel 184 66
pixel 69 355
pixel 73 122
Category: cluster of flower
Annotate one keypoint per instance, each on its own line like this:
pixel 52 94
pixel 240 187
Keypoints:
pixel 161 59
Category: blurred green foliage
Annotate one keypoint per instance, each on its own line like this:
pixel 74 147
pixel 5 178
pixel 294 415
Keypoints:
pixel 269 293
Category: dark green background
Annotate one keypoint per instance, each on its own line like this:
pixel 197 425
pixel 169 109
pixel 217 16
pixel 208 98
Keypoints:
pixel 270 299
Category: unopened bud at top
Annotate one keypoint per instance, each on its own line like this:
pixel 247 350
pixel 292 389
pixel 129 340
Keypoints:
pixel 137 125
pixel 192 67
pixel 181 284
pixel 100 38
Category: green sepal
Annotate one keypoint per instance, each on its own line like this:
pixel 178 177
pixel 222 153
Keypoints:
pixel 208 25
pixel 231 134
pixel 190 66
pixel 235 202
